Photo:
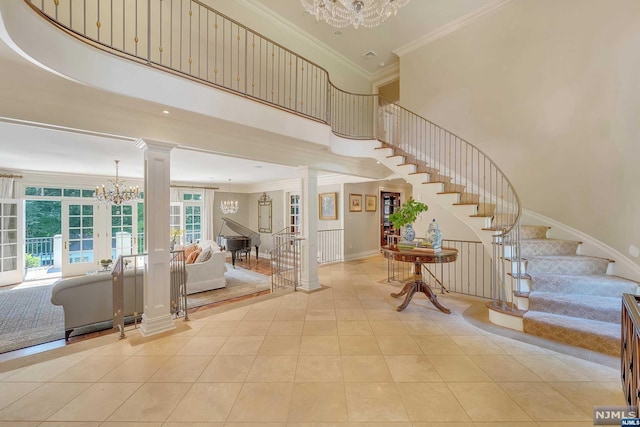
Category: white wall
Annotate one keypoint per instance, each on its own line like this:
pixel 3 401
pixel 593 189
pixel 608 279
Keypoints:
pixel 549 90
pixel 277 217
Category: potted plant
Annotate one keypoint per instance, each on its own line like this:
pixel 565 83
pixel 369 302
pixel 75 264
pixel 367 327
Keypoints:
pixel 106 262
pixel 406 216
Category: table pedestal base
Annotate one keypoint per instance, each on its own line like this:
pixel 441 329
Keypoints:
pixel 411 288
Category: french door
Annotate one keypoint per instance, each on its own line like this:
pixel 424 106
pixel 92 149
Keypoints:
pixel 11 253
pixel 82 246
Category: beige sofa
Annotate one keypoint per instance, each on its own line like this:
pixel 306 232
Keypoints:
pixel 207 275
pixel 88 300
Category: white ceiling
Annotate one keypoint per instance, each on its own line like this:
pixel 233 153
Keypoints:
pixel 417 19
pixel 32 148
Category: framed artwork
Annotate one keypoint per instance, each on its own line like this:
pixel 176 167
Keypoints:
pixel 355 202
pixel 327 205
pixel 370 203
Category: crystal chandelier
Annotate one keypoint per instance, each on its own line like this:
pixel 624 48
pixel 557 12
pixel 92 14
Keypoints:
pixel 342 13
pixel 229 206
pixel 116 193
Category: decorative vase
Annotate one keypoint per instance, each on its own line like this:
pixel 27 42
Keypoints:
pixel 409 233
pixel 434 236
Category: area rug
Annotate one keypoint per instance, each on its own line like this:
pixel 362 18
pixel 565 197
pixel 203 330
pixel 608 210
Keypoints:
pixel 28 318
pixel 240 282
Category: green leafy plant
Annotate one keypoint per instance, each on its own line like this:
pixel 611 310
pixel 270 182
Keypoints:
pixel 408 213
pixel 31 261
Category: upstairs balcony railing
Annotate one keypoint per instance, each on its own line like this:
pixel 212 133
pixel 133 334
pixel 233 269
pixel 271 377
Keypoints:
pixel 189 38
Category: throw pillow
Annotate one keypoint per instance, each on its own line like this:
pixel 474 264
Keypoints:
pixel 193 256
pixel 188 250
pixel 204 255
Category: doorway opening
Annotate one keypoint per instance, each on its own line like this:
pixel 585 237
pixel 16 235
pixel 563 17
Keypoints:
pixel 43 239
pixel 389 203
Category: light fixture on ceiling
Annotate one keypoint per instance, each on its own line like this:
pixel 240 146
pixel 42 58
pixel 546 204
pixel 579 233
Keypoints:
pixel 229 206
pixel 116 193
pixel 359 13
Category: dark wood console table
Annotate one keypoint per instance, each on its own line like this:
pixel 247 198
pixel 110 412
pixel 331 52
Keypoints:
pixel 418 257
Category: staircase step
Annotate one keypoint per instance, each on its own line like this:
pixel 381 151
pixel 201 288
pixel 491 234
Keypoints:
pixel 439 178
pixel 533 231
pixel 603 337
pixel 469 198
pixel 583 284
pixel 594 307
pixel 453 188
pixel 535 247
pixel 567 264
pixel 483 209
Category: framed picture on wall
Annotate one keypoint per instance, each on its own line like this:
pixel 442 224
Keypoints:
pixel 355 202
pixel 327 205
pixel 370 203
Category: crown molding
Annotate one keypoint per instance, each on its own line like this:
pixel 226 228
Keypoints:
pixel 307 38
pixel 451 27
pixel 385 75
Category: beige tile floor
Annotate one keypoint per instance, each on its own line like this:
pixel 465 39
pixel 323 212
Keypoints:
pixel 341 356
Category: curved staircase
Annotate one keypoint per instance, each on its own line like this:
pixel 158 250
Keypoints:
pixel 563 296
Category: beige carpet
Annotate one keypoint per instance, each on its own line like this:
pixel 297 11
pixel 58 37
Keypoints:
pixel 240 282
pixel 28 318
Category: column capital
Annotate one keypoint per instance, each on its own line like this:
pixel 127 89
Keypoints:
pixel 152 144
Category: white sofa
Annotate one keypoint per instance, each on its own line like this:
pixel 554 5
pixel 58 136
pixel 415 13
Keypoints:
pixel 87 300
pixel 207 275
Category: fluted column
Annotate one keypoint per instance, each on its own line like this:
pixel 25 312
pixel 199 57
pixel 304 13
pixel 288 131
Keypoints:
pixel 309 254
pixel 157 178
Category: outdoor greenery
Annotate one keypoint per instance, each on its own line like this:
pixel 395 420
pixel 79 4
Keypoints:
pixel 408 213
pixel 43 218
pixel 31 261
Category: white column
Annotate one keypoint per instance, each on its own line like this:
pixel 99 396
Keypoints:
pixel 157 309
pixel 309 254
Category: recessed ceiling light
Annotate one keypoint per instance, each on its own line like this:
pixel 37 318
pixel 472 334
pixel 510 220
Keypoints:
pixel 382 64
pixel 258 167
pixel 378 162
pixel 337 33
pixel 166 112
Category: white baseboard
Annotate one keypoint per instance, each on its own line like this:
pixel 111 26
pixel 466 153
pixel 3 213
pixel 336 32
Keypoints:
pixel 360 255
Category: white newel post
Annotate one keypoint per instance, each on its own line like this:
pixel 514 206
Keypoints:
pixel 157 307
pixel 309 254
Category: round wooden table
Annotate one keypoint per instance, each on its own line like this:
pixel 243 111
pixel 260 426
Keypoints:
pixel 419 256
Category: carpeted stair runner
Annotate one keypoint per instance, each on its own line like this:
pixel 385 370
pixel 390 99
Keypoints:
pixel 571 298
pixel 603 337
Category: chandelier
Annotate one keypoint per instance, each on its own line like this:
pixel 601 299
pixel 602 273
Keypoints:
pixel 229 206
pixel 342 13
pixel 116 193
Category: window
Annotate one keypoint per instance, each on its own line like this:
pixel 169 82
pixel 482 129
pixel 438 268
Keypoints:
pixel 295 214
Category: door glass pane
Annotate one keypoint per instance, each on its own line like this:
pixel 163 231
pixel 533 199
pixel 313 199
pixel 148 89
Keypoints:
pixel 8 237
pixel 122 237
pixel 80 239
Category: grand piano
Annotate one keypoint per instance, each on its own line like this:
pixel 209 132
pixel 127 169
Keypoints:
pixel 240 243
